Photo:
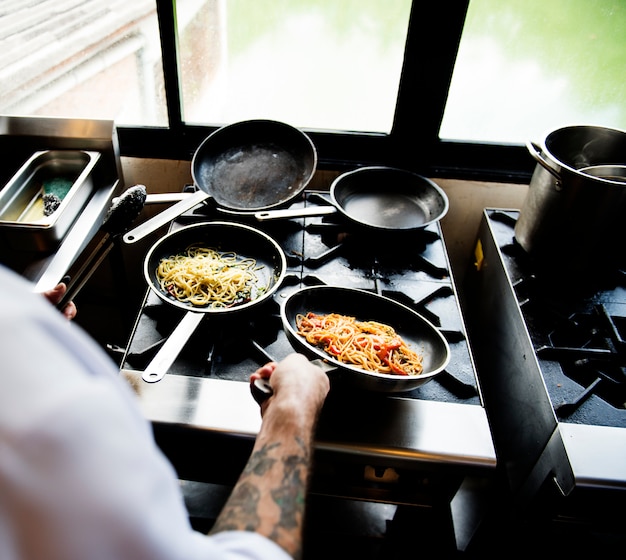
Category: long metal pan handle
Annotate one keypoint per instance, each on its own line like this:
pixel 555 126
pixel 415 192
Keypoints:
pixel 157 368
pixel 535 152
pixel 291 213
pixel 165 217
pixel 161 198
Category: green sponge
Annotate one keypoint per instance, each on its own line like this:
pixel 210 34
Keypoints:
pixel 54 191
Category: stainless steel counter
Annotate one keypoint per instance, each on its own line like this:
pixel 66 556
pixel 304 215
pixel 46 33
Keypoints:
pixel 389 431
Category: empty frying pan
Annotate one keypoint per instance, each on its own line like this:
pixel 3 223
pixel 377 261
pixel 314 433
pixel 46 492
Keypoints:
pixel 384 199
pixel 243 167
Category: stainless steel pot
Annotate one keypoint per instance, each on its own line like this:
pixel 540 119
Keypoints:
pixel 573 214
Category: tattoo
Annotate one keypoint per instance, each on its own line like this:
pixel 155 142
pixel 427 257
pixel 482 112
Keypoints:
pixel 290 496
pixel 246 508
pixel 303 446
pixel 259 462
pixel 242 510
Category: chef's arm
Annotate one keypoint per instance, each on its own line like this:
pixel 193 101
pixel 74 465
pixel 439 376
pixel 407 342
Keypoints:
pixel 269 497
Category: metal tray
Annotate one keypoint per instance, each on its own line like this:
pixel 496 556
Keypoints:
pixel 22 217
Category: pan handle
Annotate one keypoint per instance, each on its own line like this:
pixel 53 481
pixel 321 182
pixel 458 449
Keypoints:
pixel 163 218
pixel 262 390
pixel 157 368
pixel 291 213
pixel 167 198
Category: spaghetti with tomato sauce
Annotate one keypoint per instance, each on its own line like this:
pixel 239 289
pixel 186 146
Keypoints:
pixel 369 345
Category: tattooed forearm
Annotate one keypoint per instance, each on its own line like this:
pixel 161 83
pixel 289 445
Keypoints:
pixel 269 497
pixel 284 476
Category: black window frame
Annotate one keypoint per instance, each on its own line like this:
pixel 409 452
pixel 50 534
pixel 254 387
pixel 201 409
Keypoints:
pixel 433 40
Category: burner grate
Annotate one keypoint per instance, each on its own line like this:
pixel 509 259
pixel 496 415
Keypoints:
pixel 592 352
pixel 320 250
pixel 577 327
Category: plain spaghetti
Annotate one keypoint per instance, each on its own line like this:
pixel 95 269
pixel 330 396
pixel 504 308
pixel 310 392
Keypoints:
pixel 369 345
pixel 205 277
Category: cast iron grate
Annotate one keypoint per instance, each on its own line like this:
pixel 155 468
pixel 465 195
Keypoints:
pixel 592 352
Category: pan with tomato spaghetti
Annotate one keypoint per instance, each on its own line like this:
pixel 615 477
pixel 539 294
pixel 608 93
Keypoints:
pixel 378 345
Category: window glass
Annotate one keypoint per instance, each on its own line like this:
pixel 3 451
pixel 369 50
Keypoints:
pixel 526 67
pixel 82 59
pixel 313 63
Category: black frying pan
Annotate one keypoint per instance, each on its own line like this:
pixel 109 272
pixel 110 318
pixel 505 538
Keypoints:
pixel 223 236
pixel 421 335
pixel 384 199
pixel 247 166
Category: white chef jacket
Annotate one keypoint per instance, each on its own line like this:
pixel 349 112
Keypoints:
pixel 81 477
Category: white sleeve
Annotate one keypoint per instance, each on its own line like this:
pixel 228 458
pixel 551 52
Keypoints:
pixel 80 475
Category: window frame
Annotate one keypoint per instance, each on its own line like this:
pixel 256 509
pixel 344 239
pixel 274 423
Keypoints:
pixel 435 28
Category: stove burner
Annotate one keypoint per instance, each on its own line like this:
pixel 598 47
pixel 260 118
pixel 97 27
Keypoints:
pixel 228 346
pixel 420 306
pixel 446 379
pixel 576 326
pixel 374 250
pixel 592 352
pixel 581 284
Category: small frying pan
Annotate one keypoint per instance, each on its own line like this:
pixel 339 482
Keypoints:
pixel 243 167
pixel 384 199
pixel 244 240
pixel 419 334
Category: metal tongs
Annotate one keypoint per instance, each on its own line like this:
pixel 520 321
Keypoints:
pixel 123 211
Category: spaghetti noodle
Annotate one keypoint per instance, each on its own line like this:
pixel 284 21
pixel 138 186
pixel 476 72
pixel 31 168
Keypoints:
pixel 205 277
pixel 369 345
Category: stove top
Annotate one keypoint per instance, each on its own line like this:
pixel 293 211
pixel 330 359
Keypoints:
pixel 577 329
pixel 412 268
pixel 391 444
pixel 549 351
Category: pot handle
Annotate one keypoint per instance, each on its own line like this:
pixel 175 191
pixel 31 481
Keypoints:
pixel 535 152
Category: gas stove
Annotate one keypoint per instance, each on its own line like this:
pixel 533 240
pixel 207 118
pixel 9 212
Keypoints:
pixel 413 269
pixel 413 448
pixel 551 361
pixel 577 331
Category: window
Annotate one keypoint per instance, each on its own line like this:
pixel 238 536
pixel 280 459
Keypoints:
pixel 85 58
pixel 315 64
pixel 444 88
pixel 529 66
